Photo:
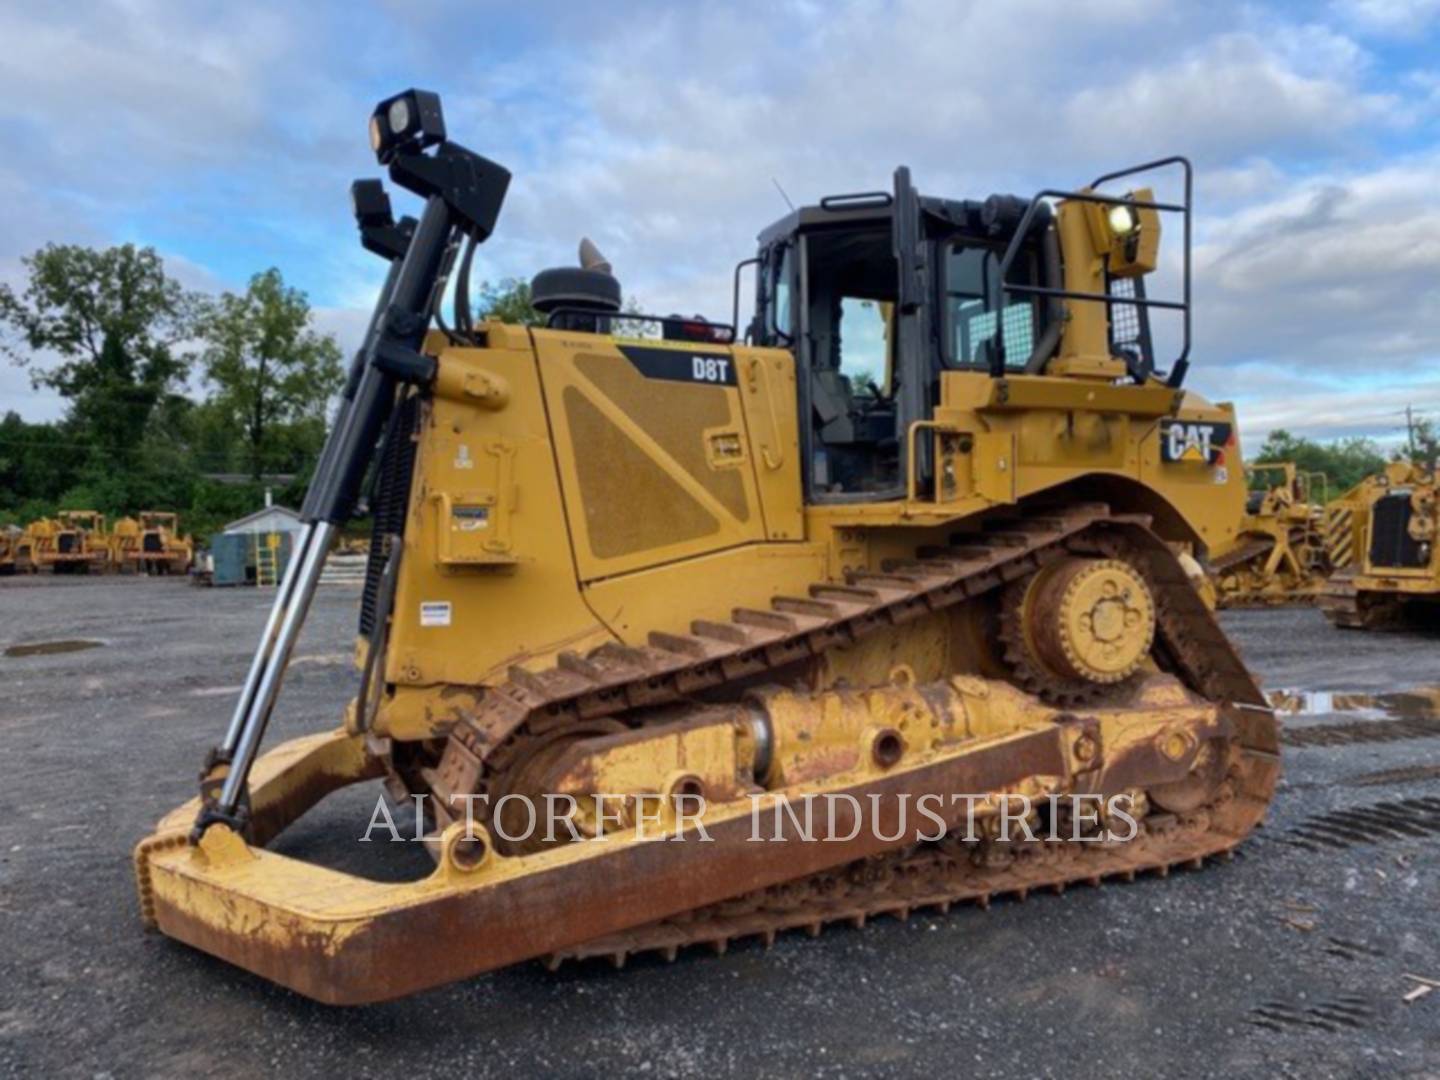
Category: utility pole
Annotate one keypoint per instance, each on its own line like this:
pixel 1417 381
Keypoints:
pixel 1410 430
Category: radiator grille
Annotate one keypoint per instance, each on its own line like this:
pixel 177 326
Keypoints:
pixel 1390 540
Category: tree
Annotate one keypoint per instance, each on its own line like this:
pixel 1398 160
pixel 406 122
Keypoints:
pixel 38 462
pixel 509 302
pixel 1424 445
pixel 115 321
pixel 1345 462
pixel 272 374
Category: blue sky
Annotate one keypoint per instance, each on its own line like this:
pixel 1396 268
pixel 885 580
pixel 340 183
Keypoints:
pixel 227 135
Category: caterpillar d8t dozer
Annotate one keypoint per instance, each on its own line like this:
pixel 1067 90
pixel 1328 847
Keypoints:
pixel 1383 533
pixel 728 615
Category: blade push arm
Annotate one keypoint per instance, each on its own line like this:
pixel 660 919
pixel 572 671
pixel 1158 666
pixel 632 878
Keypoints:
pixel 463 194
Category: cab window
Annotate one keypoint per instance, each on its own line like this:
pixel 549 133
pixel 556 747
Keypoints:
pixel 970 273
pixel 863 343
pixel 781 313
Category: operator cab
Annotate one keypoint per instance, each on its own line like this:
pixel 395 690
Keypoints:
pixel 878 293
pixel 831 294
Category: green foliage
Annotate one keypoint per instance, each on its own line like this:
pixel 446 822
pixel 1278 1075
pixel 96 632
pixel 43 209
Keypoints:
pixel 1345 462
pixel 1423 447
pixel 110 326
pixel 38 462
pixel 214 505
pixel 508 301
pixel 272 375
pixel 109 330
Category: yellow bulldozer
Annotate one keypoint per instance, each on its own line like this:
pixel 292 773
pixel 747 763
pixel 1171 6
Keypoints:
pixel 677 636
pixel 1382 537
pixel 73 542
pixel 1280 555
pixel 150 543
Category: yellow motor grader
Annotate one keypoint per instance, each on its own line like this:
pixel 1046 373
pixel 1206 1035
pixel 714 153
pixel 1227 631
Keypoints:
pixel 1279 556
pixel 150 543
pixel 679 636
pixel 73 542
pixel 1382 535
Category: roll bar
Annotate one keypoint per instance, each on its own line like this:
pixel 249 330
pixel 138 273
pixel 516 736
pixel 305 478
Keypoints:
pixel 1178 367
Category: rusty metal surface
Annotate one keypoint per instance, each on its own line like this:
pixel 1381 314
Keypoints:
pixel 405 948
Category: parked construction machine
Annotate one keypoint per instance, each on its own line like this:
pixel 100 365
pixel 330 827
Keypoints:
pixel 909 541
pixel 9 549
pixel 1382 537
pixel 73 542
pixel 1279 556
pixel 150 543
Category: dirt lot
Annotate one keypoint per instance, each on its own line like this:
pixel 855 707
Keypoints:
pixel 1288 961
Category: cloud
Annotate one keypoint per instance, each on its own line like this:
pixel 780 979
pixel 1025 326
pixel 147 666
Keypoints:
pixel 1390 17
pixel 1267 398
pixel 228 134
pixel 1338 273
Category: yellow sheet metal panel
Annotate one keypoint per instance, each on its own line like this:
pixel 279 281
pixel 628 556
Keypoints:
pixel 487 578
pixel 651 447
pixel 1116 439
pixel 768 398
pixel 712 586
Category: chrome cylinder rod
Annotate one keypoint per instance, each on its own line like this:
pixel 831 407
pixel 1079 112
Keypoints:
pixel 390 357
pixel 267 639
pixel 298 551
pixel 252 729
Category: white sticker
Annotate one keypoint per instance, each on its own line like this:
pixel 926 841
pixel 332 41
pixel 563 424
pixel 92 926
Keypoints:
pixel 470 518
pixel 1222 474
pixel 463 460
pixel 435 613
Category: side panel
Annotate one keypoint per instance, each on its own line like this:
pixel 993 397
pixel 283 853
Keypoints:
pixel 652 449
pixel 1018 438
pixel 1209 492
pixel 486 577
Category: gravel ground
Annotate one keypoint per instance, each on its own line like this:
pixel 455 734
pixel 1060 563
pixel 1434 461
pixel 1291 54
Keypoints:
pixel 1286 962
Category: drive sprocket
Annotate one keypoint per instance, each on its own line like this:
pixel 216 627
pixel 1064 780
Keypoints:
pixel 1077 627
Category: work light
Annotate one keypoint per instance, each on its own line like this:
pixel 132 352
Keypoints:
pixel 406 122
pixel 371 204
pixel 1122 220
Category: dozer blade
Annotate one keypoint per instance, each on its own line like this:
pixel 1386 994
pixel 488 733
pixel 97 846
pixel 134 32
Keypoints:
pixel 345 940
pixel 342 939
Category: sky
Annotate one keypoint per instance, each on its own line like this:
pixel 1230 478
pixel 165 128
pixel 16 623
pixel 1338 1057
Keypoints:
pixel 226 136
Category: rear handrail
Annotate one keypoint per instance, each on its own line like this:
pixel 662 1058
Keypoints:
pixel 1181 363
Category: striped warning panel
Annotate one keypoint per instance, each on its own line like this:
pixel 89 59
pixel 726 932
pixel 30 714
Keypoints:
pixel 1340 535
